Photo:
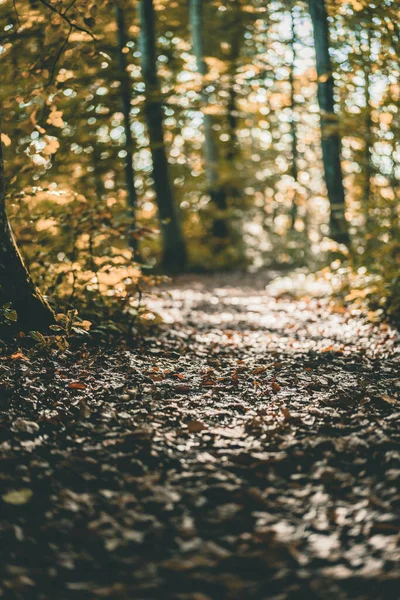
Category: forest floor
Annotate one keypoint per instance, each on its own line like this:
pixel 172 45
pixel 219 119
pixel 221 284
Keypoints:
pixel 250 450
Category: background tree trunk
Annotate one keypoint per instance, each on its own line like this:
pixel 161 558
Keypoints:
pixel 216 190
pixel 368 173
pixel 125 91
pixel 232 154
pixel 16 285
pixel 236 35
pixel 294 168
pixel 174 251
pixel 331 144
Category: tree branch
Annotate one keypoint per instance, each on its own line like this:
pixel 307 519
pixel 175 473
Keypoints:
pixel 59 53
pixel 68 20
pixel 16 14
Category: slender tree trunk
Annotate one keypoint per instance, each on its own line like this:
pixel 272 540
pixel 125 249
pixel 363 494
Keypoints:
pixel 232 119
pixel 331 143
pixel 125 90
pixel 98 184
pixel 394 180
pixel 16 285
pixel 236 37
pixel 216 189
pixel 368 137
pixel 294 169
pixel 174 251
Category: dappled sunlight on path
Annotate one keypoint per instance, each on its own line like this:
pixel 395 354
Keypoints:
pixel 256 312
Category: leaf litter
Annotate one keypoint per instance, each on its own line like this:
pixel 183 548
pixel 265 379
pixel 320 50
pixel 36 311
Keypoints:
pixel 249 450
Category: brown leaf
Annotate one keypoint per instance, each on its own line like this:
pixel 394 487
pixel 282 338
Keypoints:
pixel 19 356
pixel 76 385
pixel 182 388
pixel 389 400
pixel 195 426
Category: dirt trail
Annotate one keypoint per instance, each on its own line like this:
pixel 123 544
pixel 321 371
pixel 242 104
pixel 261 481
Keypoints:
pixel 251 450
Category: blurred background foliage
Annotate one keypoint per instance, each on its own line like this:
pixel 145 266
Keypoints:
pixel 72 82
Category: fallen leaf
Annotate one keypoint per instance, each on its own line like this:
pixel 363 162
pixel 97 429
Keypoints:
pixel 76 385
pixel 25 426
pixel 18 497
pixel 229 432
pixel 182 388
pixel 195 426
pixel 19 356
pixel 389 399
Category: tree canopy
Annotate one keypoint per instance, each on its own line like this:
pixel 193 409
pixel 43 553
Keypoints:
pixel 141 136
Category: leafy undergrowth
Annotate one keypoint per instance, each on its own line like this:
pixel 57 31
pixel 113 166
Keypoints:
pixel 249 451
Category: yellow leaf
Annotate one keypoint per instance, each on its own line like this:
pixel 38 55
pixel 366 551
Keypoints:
pixel 52 145
pixel 357 5
pixel 324 77
pixel 18 497
pixel 355 294
pixel 5 139
pixel 55 119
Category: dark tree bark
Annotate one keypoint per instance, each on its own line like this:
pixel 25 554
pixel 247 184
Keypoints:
pixel 125 89
pixel 294 168
pixel 174 250
pixel 16 286
pixel 394 180
pixel 236 31
pixel 216 189
pixel 331 143
pixel 236 35
pixel 368 134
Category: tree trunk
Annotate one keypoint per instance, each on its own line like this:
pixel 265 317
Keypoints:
pixel 368 137
pixel 174 251
pixel 216 190
pixel 294 169
pixel 235 44
pixel 331 143
pixel 236 35
pixel 16 286
pixel 125 90
pixel 394 180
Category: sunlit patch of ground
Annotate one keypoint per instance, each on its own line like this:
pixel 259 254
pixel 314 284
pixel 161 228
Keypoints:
pixel 265 312
pixel 248 450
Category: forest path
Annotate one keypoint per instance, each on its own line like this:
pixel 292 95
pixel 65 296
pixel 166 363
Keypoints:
pixel 249 451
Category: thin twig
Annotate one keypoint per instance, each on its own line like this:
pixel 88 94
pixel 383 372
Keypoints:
pixel 16 14
pixel 59 53
pixel 68 20
pixel 70 5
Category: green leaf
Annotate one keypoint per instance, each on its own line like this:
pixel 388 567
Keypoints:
pixel 10 314
pixel 36 335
